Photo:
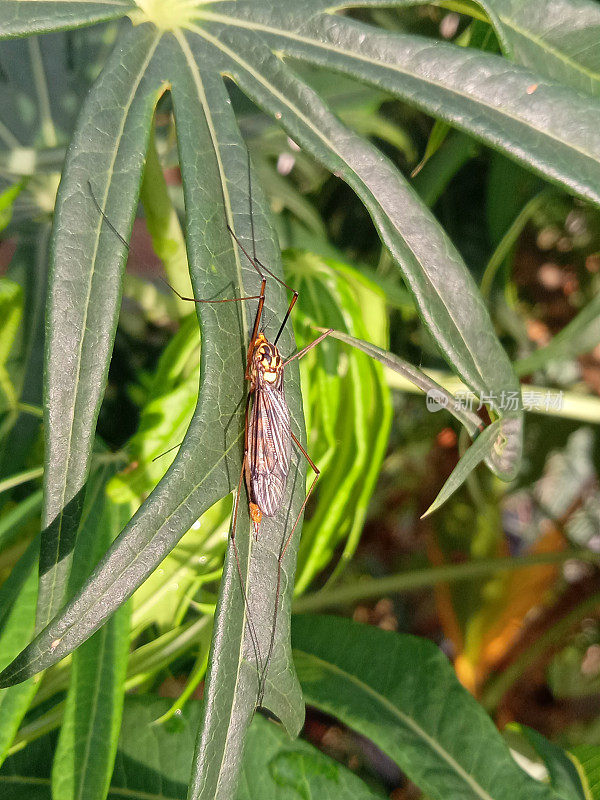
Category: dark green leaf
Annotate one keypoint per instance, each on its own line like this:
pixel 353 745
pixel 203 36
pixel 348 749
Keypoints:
pixel 561 769
pixel 552 129
pixel 558 38
pixel 10 523
pixel 218 754
pixel 207 465
pixel 85 290
pixel 433 269
pixel 417 377
pixel 87 744
pixel 402 693
pixel 153 762
pixel 22 18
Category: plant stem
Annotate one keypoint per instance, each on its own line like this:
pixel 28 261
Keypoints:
pixel 418 579
pixel 21 477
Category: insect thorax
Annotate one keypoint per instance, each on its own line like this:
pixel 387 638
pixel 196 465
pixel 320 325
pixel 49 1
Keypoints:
pixel 266 366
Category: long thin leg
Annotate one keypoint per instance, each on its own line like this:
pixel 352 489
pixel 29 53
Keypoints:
pixel 226 300
pixel 279 564
pixel 305 350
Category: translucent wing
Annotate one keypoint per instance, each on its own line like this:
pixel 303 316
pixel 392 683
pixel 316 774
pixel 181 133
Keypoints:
pixel 269 447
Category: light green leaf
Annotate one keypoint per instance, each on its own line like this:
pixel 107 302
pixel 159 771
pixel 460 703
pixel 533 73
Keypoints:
pixel 402 693
pixel 587 761
pixel 348 409
pixel 11 309
pixel 7 199
pixel 17 601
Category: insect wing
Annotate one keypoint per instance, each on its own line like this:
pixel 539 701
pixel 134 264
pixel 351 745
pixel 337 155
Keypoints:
pixel 269 447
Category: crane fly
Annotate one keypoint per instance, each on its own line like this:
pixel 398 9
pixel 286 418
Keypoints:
pixel 268 435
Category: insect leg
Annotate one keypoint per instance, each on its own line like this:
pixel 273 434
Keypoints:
pixel 226 300
pixel 303 352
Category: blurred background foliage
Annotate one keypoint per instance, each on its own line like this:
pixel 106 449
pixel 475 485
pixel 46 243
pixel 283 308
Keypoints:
pixel 525 642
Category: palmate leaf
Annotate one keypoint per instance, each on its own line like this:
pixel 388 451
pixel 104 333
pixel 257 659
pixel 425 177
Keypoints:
pixel 187 50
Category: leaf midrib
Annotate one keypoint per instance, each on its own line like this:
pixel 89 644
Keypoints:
pixel 402 718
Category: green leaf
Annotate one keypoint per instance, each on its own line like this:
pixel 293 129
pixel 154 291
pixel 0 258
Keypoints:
pixel 85 290
pixel 552 129
pixel 19 18
pixel 454 153
pixel 153 762
pixel 17 601
pixel 87 745
pixel 208 463
pixel 587 761
pixel 13 520
pixel 495 439
pixel 172 398
pixel 11 309
pixel 431 265
pixel 557 38
pixel 564 778
pixel 7 199
pixel 164 228
pixel 499 445
pixel 219 748
pixel 348 409
pixel 417 377
pixel 402 693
